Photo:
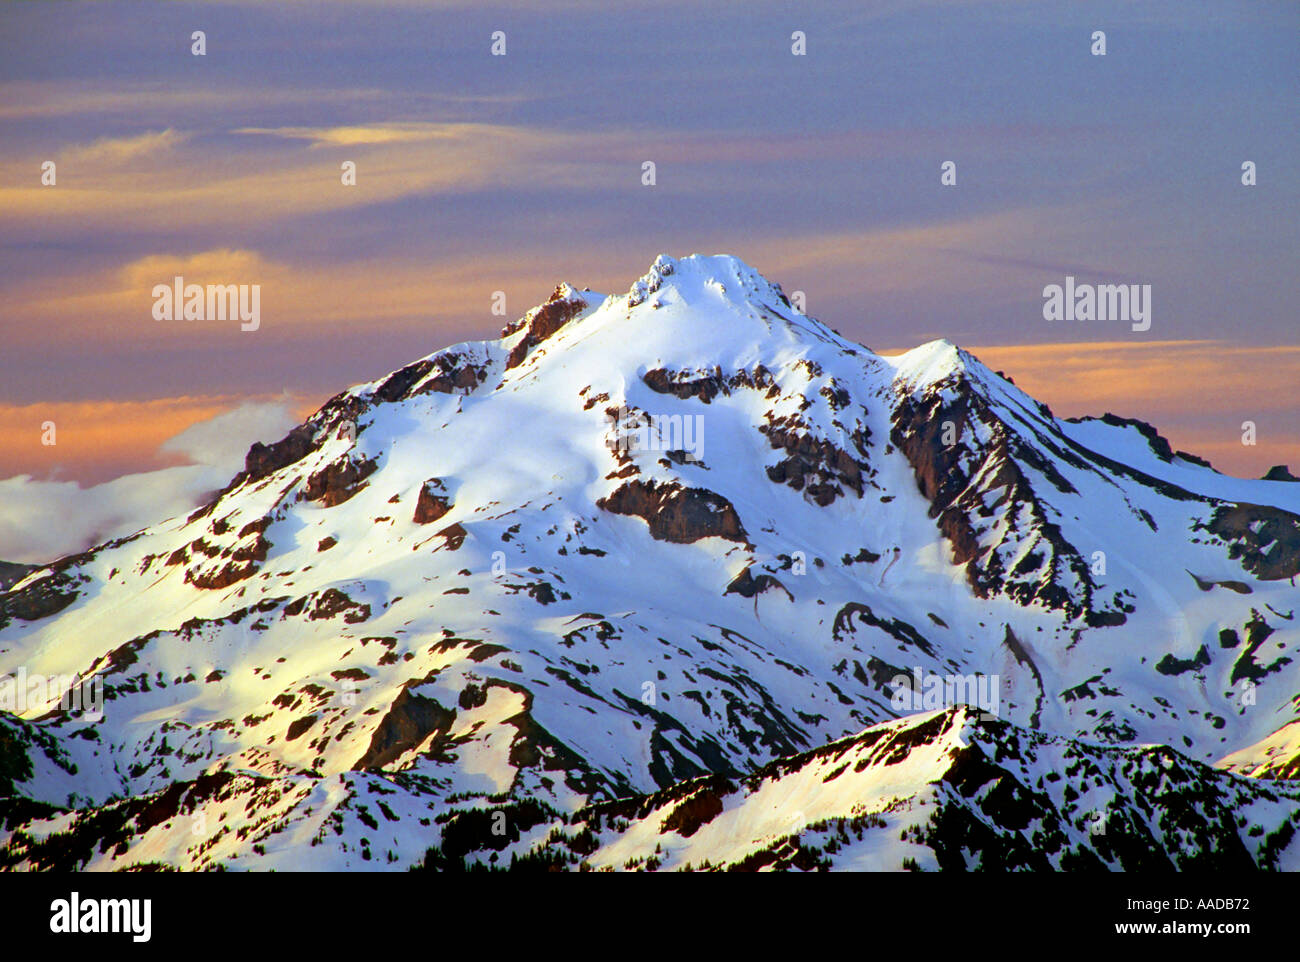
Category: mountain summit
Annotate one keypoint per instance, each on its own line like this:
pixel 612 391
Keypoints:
pixel 652 557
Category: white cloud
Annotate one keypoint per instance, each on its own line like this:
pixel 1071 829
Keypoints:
pixel 41 521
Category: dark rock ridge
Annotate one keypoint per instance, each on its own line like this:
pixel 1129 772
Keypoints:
pixel 334 417
pixel 411 719
pixel 451 372
pixel 11 572
pixel 1155 440
pixel 963 479
pixel 999 804
pixel 446 373
pixel 44 597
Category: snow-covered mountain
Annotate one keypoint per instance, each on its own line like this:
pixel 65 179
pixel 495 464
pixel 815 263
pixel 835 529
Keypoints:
pixel 531 596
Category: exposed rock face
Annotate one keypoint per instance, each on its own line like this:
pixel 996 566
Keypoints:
pixel 299 727
pixel 1257 631
pixel 336 417
pixel 451 372
pixel 431 504
pixel 454 536
pixel 40 599
pixel 563 306
pixel 1208 584
pixel 11 573
pixel 338 481
pixel 410 720
pixel 986 507
pixel 813 464
pixel 399 383
pixel 242 558
pixel 223 576
pixel 708 384
pixel 327 604
pixel 677 514
pixel 1266 540
pixel 747 586
pixel 705 387
pixel 899 630
pixel 265 459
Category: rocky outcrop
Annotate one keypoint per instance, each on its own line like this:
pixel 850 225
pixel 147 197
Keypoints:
pixel 338 481
pixel 677 514
pixel 241 559
pixel 410 721
pixel 398 384
pixel 11 573
pixel 986 508
pixel 453 536
pixel 812 464
pixel 265 459
pixel 327 604
pixel 1155 440
pixel 897 629
pixel 1264 539
pixel 451 373
pixel 707 384
pixel 221 576
pixel 44 597
pixel 431 504
pixel 747 586
pixel 542 322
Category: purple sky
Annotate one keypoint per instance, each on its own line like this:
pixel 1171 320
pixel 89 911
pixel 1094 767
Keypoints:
pixel 478 173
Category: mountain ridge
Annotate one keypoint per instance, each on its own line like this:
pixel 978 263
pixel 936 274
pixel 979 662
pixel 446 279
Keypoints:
pixel 473 578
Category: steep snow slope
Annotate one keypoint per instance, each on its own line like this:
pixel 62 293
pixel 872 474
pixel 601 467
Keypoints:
pixel 484 577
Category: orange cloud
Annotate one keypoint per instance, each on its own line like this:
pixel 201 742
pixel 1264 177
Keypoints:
pixel 1196 393
pixel 101 439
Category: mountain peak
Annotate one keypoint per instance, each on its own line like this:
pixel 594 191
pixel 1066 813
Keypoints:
pixel 930 363
pixel 719 274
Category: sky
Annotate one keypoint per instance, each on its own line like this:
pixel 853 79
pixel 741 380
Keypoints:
pixel 478 173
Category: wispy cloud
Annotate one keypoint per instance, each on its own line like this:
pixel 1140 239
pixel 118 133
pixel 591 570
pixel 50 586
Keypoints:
pixel 50 99
pixel 366 134
pixel 111 151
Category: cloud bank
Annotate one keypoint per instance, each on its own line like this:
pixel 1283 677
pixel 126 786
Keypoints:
pixel 41 521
